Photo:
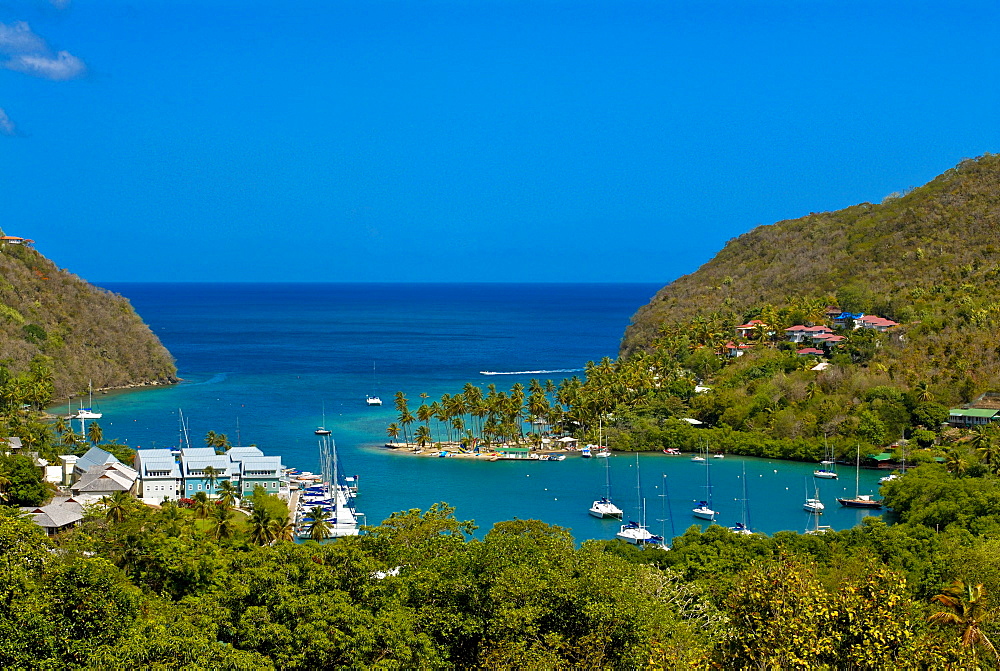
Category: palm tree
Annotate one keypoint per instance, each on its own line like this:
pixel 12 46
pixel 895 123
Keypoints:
pixel 923 392
pixel 392 431
pixel 423 436
pixel 118 506
pixel 282 529
pixel 95 433
pixel 956 463
pixel 966 610
pixel 223 526
pixel 4 483
pixel 260 527
pixel 60 426
pixel 228 493
pixel 320 529
pixel 201 505
pixel 211 473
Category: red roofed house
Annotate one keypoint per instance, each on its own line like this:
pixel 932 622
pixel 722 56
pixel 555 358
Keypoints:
pixel 875 323
pixel 734 350
pixel 747 330
pixel 14 240
pixel 810 351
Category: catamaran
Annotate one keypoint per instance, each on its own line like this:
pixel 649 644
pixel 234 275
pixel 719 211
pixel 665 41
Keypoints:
pixel 859 500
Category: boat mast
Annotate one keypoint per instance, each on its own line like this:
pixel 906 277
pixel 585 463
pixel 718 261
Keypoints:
pixel 857 473
pixel 664 503
pixel 746 500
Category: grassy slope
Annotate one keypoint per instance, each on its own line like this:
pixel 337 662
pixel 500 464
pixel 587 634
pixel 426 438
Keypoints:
pixel 90 333
pixel 927 259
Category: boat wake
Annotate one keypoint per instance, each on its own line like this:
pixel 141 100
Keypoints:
pixel 530 372
pixel 215 379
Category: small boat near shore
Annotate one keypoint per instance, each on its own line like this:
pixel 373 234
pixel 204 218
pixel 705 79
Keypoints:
pixel 859 500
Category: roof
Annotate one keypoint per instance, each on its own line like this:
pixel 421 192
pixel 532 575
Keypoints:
pixel 262 464
pixel 159 466
pixel 219 462
pixel 810 350
pixel 189 452
pixel 13 442
pixel 241 453
pixel 95 456
pixel 850 315
pixel 54 516
pixel 973 412
pixel 107 478
pixel 752 323
pixel 882 456
pixel 692 421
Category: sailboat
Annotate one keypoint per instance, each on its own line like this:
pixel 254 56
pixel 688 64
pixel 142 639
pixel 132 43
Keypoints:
pixel 373 399
pixel 813 504
pixel 743 528
pixel 704 510
pixel 634 532
pixel 826 470
pixel 665 507
pixel 83 414
pixel 602 451
pixel 321 430
pixel 603 508
pixel 859 500
pixel 697 457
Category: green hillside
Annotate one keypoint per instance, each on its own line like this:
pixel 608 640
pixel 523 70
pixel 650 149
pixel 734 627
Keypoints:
pixel 927 259
pixel 89 334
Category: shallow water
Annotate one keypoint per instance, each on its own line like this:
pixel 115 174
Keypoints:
pixel 261 361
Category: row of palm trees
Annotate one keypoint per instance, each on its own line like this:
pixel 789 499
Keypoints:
pixel 526 414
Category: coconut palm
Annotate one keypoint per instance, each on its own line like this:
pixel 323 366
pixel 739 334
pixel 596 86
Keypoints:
pixel 923 392
pixel 201 505
pixel 260 527
pixel 228 493
pixel 223 525
pixel 117 506
pixel 423 436
pixel 211 473
pixel 95 433
pixel 967 611
pixel 392 431
pixel 956 463
pixel 320 528
pixel 282 529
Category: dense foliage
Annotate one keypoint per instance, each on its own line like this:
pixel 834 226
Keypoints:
pixel 171 587
pixel 88 334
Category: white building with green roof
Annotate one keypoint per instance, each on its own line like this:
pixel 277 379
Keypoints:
pixel 964 418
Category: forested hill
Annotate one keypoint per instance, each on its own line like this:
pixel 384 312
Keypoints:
pixel 89 333
pixel 929 256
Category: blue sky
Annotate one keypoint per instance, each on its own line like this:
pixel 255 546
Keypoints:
pixel 468 141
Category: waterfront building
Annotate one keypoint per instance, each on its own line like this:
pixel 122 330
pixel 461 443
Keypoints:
pixel 59 515
pixel 159 476
pixel 266 472
pixel 194 463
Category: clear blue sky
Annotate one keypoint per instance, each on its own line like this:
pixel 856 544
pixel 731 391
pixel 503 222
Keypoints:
pixel 468 141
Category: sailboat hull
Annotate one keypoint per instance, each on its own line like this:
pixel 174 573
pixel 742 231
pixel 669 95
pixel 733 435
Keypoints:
pixel 826 475
pixel 704 514
pixel 860 503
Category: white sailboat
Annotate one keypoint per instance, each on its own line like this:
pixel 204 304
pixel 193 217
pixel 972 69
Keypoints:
pixel 665 508
pixel 743 527
pixel 827 470
pixel 704 510
pixel 813 504
pixel 634 532
pixel 604 508
pixel 373 399
pixel 698 458
pixel 321 430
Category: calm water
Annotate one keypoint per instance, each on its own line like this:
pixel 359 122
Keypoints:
pixel 261 362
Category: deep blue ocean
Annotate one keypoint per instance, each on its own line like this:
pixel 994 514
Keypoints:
pixel 261 361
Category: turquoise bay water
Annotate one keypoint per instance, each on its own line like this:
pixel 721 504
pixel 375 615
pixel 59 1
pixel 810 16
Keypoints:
pixel 261 360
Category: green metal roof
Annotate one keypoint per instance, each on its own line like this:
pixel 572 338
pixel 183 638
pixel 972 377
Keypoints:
pixel 972 412
pixel 883 456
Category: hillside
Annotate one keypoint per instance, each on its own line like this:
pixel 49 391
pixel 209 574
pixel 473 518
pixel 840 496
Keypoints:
pixel 927 259
pixel 89 333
